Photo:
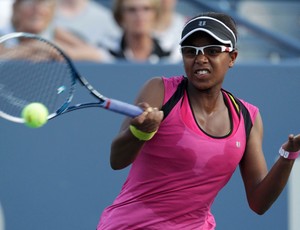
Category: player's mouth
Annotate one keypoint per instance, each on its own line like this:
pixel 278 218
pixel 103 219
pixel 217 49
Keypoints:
pixel 201 72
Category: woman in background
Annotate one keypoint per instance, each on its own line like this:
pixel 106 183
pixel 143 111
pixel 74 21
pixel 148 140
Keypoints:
pixel 168 29
pixel 138 19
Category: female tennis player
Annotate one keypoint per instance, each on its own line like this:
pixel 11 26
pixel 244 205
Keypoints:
pixel 190 139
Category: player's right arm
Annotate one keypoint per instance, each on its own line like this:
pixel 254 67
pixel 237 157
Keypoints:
pixel 125 147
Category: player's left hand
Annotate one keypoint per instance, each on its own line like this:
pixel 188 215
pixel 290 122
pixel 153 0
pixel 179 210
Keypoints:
pixel 292 144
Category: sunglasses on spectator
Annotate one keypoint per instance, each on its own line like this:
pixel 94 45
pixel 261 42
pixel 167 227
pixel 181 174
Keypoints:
pixel 211 50
pixel 33 2
pixel 134 9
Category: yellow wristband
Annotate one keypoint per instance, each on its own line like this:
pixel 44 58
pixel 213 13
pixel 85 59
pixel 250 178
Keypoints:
pixel 142 136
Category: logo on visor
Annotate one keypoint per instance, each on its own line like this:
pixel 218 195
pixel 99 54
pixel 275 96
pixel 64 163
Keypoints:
pixel 202 23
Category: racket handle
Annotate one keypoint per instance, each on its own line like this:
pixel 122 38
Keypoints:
pixel 123 108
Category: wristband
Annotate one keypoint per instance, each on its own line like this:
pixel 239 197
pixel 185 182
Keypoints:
pixel 142 136
pixel 288 155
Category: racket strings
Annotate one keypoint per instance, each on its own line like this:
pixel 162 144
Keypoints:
pixel 33 72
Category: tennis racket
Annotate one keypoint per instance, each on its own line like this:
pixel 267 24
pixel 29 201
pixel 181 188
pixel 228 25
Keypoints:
pixel 33 69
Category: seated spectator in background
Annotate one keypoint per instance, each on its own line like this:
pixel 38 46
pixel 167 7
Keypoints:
pixel 88 20
pixel 137 18
pixel 5 7
pixel 169 27
pixel 37 17
pixel 78 49
pixel 32 16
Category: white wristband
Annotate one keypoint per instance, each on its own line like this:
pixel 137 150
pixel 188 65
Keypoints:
pixel 288 155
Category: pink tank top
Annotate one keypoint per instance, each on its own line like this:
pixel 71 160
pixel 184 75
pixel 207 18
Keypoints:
pixel 177 175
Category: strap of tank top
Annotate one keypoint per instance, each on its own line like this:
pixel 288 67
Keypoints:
pixel 168 106
pixel 240 107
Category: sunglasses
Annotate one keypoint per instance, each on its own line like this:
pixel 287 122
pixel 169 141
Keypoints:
pixel 211 50
pixel 33 2
pixel 135 9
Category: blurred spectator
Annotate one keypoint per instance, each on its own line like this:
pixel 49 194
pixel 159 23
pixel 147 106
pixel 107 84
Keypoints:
pixel 78 49
pixel 32 16
pixel 37 17
pixel 88 20
pixel 5 15
pixel 169 27
pixel 137 18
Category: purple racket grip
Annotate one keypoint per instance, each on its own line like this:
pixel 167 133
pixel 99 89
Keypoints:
pixel 123 108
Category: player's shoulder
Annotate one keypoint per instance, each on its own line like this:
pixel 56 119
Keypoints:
pixel 161 82
pixel 152 92
pixel 155 81
pixel 172 82
pixel 253 109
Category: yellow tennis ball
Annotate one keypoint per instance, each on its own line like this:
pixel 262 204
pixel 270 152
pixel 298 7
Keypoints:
pixel 35 115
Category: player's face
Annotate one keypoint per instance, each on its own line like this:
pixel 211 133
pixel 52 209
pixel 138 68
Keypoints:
pixel 203 70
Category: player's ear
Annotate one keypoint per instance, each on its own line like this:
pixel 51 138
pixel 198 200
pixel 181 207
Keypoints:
pixel 233 55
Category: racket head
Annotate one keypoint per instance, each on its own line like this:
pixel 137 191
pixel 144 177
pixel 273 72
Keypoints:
pixel 32 69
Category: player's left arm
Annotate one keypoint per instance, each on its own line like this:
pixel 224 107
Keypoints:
pixel 262 187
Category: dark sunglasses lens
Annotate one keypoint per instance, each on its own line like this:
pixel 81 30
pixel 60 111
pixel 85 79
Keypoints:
pixel 213 50
pixel 188 51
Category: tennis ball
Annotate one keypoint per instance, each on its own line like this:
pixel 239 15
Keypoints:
pixel 35 115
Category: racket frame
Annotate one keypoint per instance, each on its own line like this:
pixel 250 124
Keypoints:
pixel 104 102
